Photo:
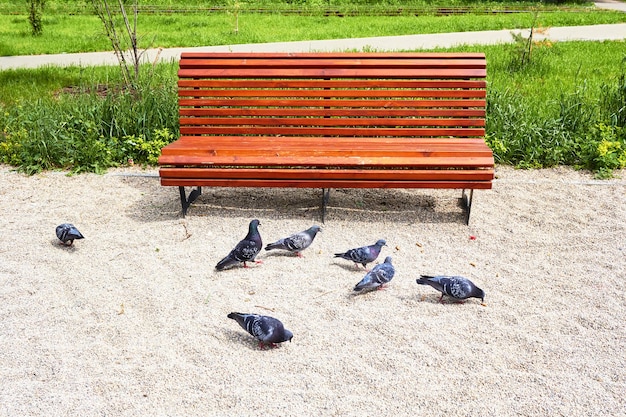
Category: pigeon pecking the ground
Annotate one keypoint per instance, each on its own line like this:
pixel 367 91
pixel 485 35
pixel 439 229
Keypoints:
pixel 363 255
pixel 267 330
pixel 67 233
pixel 246 250
pixel 377 277
pixel 296 243
pixel 459 288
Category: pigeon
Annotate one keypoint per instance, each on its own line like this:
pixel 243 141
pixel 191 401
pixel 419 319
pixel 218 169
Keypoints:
pixel 246 250
pixel 67 232
pixel 296 243
pixel 377 277
pixel 457 287
pixel 267 330
pixel 363 255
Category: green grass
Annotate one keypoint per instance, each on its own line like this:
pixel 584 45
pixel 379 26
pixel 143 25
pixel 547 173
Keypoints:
pixel 84 33
pixel 567 106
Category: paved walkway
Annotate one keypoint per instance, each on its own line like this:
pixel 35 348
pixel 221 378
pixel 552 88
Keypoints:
pixel 387 43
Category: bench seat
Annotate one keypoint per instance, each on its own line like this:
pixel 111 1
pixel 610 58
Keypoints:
pixel 343 120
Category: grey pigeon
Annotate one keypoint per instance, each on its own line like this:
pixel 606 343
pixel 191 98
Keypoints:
pixel 457 287
pixel 246 250
pixel 67 233
pixel 363 255
pixel 267 330
pixel 377 277
pixel 296 243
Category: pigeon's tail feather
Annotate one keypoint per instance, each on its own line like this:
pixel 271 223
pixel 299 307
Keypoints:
pixel 340 255
pixel 225 263
pixel 275 245
pixel 423 279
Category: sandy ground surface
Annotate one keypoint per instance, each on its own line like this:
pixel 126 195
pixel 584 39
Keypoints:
pixel 132 320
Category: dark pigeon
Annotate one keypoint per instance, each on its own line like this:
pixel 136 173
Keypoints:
pixel 296 243
pixel 246 250
pixel 67 233
pixel 267 330
pixel 459 288
pixel 363 255
pixel 377 277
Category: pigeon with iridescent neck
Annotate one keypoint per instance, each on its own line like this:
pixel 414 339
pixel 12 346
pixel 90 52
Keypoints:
pixel 363 255
pixel 246 250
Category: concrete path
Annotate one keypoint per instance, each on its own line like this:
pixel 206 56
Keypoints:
pixel 383 43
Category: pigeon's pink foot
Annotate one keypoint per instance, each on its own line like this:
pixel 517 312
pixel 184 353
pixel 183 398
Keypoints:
pixel 299 255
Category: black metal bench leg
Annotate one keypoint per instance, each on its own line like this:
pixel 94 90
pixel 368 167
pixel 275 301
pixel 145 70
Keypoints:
pixel 467 202
pixel 325 197
pixel 186 202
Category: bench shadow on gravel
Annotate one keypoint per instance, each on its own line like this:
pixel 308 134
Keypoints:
pixel 160 203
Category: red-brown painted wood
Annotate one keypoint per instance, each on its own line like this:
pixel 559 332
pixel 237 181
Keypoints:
pixel 341 120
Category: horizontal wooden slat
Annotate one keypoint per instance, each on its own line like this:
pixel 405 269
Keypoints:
pixel 335 103
pixel 348 142
pixel 414 161
pixel 332 62
pixel 317 55
pixel 300 121
pixel 329 174
pixel 335 112
pixel 341 146
pixel 186 84
pixel 331 131
pixel 334 72
pixel 334 93
pixel 313 183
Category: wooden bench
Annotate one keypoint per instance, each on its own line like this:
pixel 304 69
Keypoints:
pixel 330 120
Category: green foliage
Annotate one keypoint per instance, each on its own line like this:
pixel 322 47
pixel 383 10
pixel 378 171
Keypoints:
pixel 604 150
pixel 91 129
pixel 35 16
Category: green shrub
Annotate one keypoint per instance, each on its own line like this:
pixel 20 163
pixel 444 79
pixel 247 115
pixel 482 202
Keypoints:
pixel 90 131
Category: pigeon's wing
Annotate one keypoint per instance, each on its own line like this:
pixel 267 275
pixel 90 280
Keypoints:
pixel 61 231
pixel 246 250
pixel 458 287
pixel 383 273
pixel 294 243
pixel 67 231
pixel 298 242
pixel 266 329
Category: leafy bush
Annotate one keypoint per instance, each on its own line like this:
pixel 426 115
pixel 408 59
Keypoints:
pixel 88 130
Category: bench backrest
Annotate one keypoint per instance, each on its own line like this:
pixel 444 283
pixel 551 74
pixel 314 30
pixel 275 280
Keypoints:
pixel 333 94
